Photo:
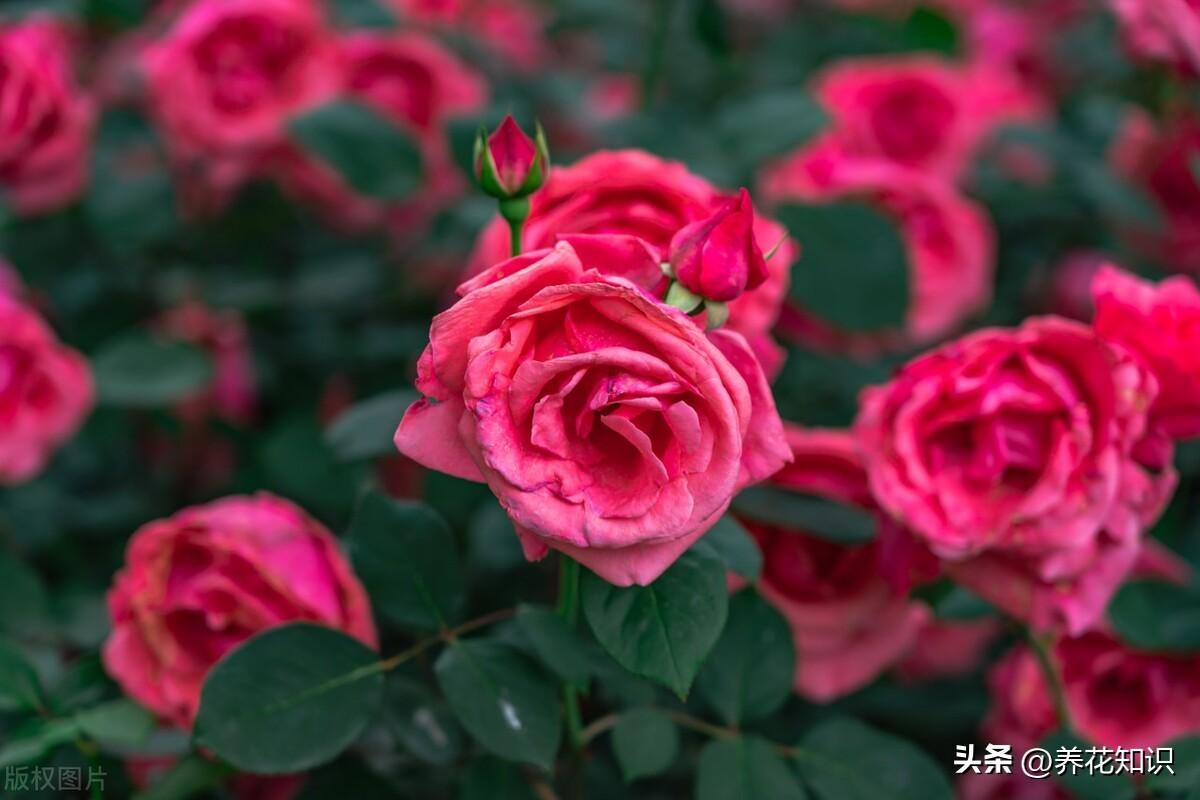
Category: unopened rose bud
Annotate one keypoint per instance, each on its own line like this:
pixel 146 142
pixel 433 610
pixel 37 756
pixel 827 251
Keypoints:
pixel 718 258
pixel 509 164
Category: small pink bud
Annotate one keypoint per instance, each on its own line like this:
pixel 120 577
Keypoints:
pixel 718 258
pixel 508 163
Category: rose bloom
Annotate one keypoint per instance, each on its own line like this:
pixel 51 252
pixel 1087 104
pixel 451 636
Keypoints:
pixel 1067 291
pixel 918 111
pixel 949 239
pixel 197 584
pixel 45 390
pixel 225 79
pixel 1162 30
pixel 1161 323
pixel 232 394
pixel 46 122
pixel 849 623
pixel 1009 453
pixel 634 192
pixel 417 84
pixel 1117 696
pixel 609 425
pixel 948 648
pixel 1158 158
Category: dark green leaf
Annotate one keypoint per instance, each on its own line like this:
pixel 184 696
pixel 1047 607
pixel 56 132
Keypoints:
pixel 732 543
pixel 20 689
pixel 365 430
pixel 140 371
pixel 191 776
pixel 1088 784
pixel 33 744
pixel 843 759
pixel 663 631
pixel 404 553
pixel 422 723
pixel 1157 616
pixel 362 14
pixel 749 674
pixel 118 722
pixel 766 125
pixel 372 154
pixel 1186 766
pixel 559 647
pixel 816 516
pixel 928 29
pixel 492 779
pixel 502 700
pixel 645 743
pixel 745 768
pixel 24 606
pixel 289 699
pixel 853 266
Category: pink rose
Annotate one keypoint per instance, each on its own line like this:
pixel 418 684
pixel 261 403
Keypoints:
pixel 1070 289
pixel 634 192
pixel 45 391
pixel 917 111
pixel 949 239
pixel 222 335
pixel 1159 158
pixel 1117 696
pixel 718 258
pixel 1009 453
pixel 1162 30
pixel 417 84
pixel 1161 324
pixel 949 648
pixel 609 425
pixel 46 123
pixel 227 76
pixel 197 584
pixel 849 623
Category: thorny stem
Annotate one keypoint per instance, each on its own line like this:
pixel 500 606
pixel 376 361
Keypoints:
pixel 446 635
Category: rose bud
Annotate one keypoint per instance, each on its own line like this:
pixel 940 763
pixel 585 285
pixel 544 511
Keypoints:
pixel 508 164
pixel 718 258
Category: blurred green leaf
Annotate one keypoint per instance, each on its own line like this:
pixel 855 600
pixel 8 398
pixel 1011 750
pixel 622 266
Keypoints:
pixel 289 699
pixel 502 700
pixel 20 689
pixel 362 14
pixel 733 544
pixel 405 555
pixel 189 777
pixel 490 778
pixel 746 768
pixel 760 127
pixel 119 722
pixel 853 266
pixel 24 605
pixel 816 516
pixel 366 429
pixel 1185 768
pixel 749 674
pixel 372 154
pixel 1087 784
pixel 139 370
pixel 843 759
pixel 663 631
pixel 1157 616
pixel 421 722
pixel 556 644
pixel 645 743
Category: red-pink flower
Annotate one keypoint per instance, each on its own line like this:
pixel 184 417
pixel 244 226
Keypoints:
pixel 634 192
pixel 718 258
pixel 415 83
pixel 1161 323
pixel 949 240
pixel 948 648
pixel 45 121
pixel 45 391
pixel 509 163
pixel 226 78
pixel 1010 454
pixel 198 583
pixel 917 111
pixel 609 425
pixel 849 622
pixel 222 335
pixel 1162 30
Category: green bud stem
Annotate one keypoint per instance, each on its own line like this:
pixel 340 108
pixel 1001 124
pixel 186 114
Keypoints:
pixel 515 211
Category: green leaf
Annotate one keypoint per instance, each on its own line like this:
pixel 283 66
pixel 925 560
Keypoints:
pixel 929 29
pixel 559 647
pixel 645 743
pixel 733 544
pixel 141 371
pixel 33 744
pixel 24 605
pixel 1086 784
pixel 853 266
pixel 749 674
pixel 843 759
pixel 362 14
pixel 502 700
pixel 405 556
pixel 20 689
pixel 816 516
pixel 118 722
pixel 191 776
pixel 746 768
pixel 372 154
pixel 492 779
pixel 422 723
pixel 289 699
pixel 1186 765
pixel 665 630
pixel 365 430
pixel 1152 615
pixel 768 124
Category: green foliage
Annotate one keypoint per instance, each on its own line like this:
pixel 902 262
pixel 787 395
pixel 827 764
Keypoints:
pixel 645 743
